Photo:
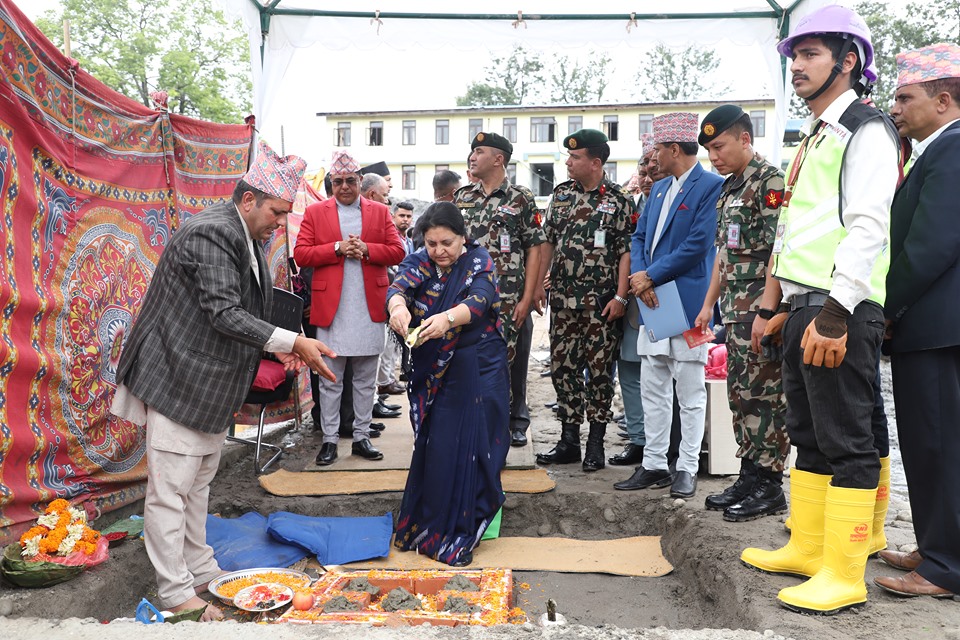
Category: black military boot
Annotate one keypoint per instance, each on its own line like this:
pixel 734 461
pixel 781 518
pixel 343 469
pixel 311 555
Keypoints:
pixel 567 450
pixel 593 459
pixel 737 491
pixel 766 499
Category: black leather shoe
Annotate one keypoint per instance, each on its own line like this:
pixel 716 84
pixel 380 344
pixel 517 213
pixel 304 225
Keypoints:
pixel 364 449
pixel 563 453
pixel 645 479
pixel 379 411
pixel 373 433
pixel 389 406
pixel 732 494
pixel 393 389
pixel 517 438
pixel 328 453
pixel 623 434
pixel 684 485
pixel 465 560
pixel 631 454
pixel 766 499
pixel 377 426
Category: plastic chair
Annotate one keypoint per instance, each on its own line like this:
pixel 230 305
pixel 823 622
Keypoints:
pixel 273 383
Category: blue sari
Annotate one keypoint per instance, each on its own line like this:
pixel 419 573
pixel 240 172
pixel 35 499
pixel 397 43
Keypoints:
pixel 459 408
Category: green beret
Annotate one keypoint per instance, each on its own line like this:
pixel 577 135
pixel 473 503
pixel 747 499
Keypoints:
pixel 718 121
pixel 495 140
pixel 585 138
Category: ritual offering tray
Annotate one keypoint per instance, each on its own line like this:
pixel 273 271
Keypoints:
pixel 227 586
pixel 263 597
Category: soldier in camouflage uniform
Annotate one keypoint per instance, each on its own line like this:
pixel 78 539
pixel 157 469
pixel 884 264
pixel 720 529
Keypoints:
pixel 506 221
pixel 747 215
pixel 588 253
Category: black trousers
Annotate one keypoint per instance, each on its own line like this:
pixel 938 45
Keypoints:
pixel 926 394
pixel 519 411
pixel 830 411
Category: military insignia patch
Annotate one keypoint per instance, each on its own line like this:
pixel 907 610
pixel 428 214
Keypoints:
pixel 572 143
pixel 480 137
pixel 709 129
pixel 773 198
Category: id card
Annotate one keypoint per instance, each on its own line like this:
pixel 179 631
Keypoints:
pixel 505 242
pixel 600 238
pixel 778 242
pixel 733 235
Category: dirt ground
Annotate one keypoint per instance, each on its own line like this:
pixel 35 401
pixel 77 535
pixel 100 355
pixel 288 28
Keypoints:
pixel 708 589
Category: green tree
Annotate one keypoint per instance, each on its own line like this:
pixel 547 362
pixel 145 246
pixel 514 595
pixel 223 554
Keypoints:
pixel 511 79
pixel 575 81
pixel 187 49
pixel 688 75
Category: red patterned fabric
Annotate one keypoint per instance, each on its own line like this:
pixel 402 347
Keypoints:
pixel 93 185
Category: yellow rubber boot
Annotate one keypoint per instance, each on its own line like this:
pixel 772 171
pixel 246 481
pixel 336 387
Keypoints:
pixel 848 518
pixel 802 555
pixel 787 524
pixel 879 540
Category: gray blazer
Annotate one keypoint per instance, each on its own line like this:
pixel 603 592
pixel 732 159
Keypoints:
pixel 197 341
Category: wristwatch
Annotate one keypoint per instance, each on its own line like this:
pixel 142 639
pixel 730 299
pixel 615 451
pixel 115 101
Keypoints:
pixel 450 318
pixel 620 299
pixel 336 247
pixel 766 314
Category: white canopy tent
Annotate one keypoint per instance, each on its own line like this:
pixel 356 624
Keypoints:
pixel 279 29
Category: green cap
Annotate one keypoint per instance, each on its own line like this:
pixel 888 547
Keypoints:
pixel 495 140
pixel 718 121
pixel 584 139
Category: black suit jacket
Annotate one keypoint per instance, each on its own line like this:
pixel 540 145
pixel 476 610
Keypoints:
pixel 197 341
pixel 923 283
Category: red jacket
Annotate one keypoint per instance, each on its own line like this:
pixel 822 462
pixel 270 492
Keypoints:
pixel 318 234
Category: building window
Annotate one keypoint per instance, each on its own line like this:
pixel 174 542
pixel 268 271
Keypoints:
pixel 409 177
pixel 375 134
pixel 610 169
pixel 512 172
pixel 759 120
pixel 510 129
pixel 341 135
pixel 611 127
pixel 543 130
pixel 574 123
pixel 541 179
pixel 443 132
pixel 476 126
pixel 441 167
pixel 409 132
pixel 646 124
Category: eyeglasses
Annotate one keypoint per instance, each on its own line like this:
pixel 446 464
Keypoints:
pixel 339 182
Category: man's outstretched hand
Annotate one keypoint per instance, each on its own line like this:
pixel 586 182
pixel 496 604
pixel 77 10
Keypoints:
pixel 310 352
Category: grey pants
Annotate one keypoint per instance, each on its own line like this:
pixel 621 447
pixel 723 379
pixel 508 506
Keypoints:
pixel 364 395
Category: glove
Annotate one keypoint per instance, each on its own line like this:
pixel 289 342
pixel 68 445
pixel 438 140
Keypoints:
pixel 771 344
pixel 824 342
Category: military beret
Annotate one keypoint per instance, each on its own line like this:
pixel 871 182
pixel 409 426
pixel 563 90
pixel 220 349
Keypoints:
pixel 584 139
pixel 494 140
pixel 718 121
pixel 379 168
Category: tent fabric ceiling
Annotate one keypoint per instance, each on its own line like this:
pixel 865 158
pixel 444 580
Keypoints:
pixel 274 41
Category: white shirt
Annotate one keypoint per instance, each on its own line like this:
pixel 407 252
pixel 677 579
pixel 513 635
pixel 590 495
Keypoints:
pixel 672 193
pixel 922 145
pixel 870 174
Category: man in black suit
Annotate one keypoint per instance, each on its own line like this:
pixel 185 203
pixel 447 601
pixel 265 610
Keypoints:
pixel 191 358
pixel 923 286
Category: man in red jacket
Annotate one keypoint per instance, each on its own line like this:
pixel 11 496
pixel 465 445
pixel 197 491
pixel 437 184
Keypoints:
pixel 349 241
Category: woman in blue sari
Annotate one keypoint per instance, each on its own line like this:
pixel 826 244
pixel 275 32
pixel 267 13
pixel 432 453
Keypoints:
pixel 458 388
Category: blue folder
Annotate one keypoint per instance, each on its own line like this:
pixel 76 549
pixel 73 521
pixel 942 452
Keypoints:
pixel 667 320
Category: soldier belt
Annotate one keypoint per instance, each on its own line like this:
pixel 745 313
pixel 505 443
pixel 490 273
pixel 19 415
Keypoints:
pixel 808 300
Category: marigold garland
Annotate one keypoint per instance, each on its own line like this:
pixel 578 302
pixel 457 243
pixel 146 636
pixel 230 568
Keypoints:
pixel 60 531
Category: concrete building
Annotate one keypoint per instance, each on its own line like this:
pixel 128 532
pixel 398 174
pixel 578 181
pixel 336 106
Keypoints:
pixel 417 144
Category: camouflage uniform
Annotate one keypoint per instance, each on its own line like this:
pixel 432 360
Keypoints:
pixel 583 278
pixel 747 213
pixel 508 211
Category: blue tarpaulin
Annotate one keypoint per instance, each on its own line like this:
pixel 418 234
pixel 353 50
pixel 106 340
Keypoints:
pixel 335 540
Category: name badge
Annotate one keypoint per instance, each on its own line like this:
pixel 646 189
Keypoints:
pixel 505 242
pixel 510 211
pixel 736 203
pixel 600 238
pixel 778 242
pixel 606 208
pixel 733 235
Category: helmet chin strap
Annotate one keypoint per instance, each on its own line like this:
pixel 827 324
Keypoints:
pixel 837 68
